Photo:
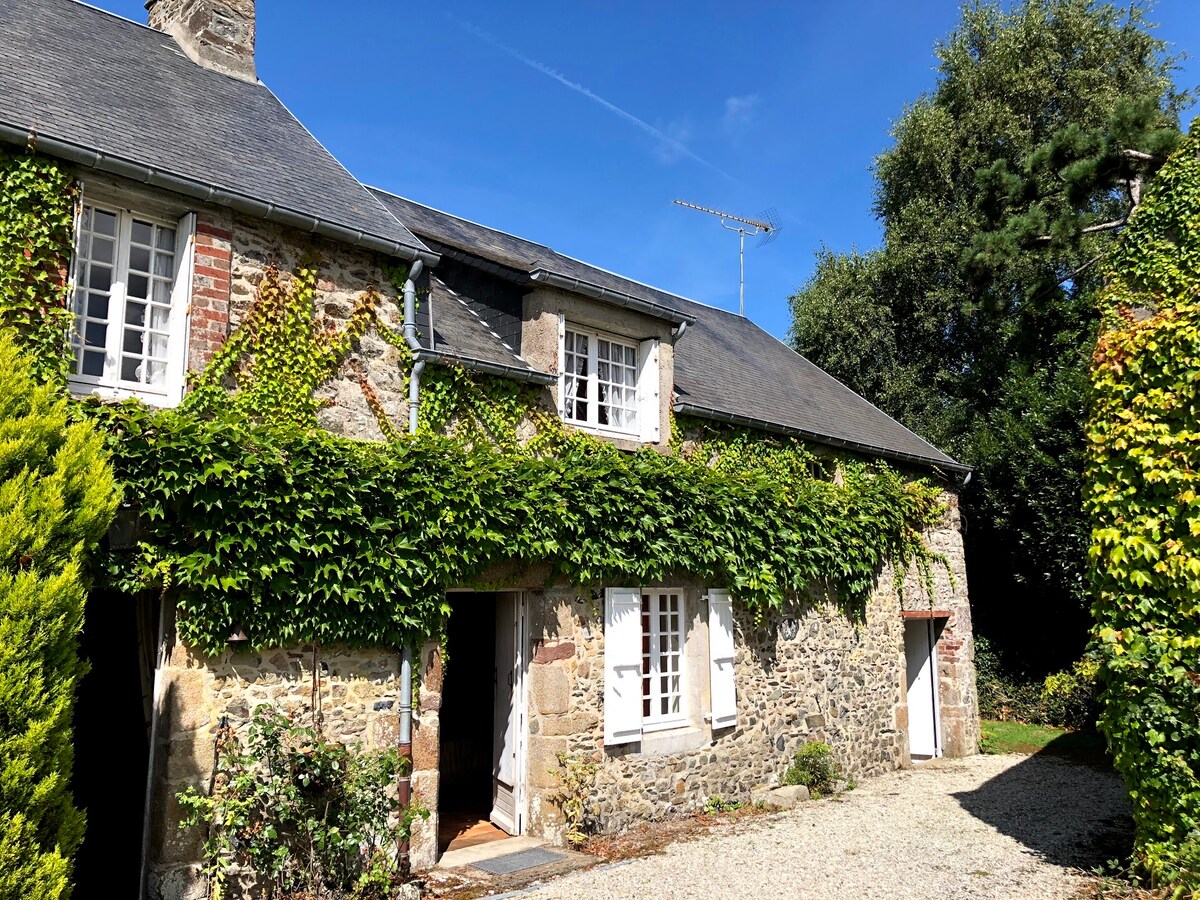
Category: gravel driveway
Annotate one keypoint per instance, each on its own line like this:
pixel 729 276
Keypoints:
pixel 986 826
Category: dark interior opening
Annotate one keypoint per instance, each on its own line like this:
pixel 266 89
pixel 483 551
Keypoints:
pixel 111 748
pixel 466 715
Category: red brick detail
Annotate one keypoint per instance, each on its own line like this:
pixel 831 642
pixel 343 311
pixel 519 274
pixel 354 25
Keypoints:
pixel 547 653
pixel 209 321
pixel 924 613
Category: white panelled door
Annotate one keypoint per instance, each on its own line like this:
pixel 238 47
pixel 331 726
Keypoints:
pixel 924 718
pixel 507 743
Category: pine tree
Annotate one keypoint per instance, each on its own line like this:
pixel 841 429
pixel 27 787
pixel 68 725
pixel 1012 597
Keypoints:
pixel 57 498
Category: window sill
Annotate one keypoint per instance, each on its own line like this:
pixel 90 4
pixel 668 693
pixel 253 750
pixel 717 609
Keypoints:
pixel 108 392
pixel 609 433
pixel 670 741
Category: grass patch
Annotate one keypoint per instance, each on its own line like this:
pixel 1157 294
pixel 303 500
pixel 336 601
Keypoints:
pixel 1017 737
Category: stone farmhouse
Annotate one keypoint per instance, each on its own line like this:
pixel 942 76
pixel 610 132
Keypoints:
pixel 194 177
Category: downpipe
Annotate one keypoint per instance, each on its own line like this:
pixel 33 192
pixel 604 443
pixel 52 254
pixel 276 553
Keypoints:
pixel 404 783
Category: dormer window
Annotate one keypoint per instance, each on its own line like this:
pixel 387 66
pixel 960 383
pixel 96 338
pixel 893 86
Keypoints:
pixel 132 281
pixel 609 384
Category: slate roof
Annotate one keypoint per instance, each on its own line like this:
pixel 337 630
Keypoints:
pixel 460 335
pixel 105 91
pixel 726 367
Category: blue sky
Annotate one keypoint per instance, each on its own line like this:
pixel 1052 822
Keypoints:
pixel 576 124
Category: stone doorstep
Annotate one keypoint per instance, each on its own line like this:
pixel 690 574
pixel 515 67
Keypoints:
pixel 456 865
pixel 453 859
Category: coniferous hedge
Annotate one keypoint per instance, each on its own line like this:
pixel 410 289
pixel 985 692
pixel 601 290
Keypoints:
pixel 57 497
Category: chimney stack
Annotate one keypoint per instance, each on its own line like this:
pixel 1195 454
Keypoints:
pixel 217 34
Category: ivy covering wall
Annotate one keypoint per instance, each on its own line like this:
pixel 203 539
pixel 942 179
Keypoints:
pixel 37 203
pixel 258 520
pixel 1143 483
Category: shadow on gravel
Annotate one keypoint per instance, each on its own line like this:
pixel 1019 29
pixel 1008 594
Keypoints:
pixel 1064 804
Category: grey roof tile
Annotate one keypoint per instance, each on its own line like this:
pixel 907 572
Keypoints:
pixel 92 79
pixel 724 363
pixel 459 333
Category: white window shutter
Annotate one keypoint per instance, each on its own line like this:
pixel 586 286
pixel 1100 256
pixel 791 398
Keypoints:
pixel 181 300
pixel 722 680
pixel 562 366
pixel 622 666
pixel 649 407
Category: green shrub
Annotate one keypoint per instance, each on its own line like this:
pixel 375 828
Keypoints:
pixel 814 767
pixel 57 498
pixel 307 816
pixel 1143 498
pixel 1066 699
pixel 1069 699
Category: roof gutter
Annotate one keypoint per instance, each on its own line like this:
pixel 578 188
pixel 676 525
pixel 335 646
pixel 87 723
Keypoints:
pixel 487 368
pixel 704 412
pixel 578 286
pixel 190 187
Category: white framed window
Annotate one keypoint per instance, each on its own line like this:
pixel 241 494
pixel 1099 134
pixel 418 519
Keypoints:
pixel 608 384
pixel 600 381
pixel 131 283
pixel 662 658
pixel 649 683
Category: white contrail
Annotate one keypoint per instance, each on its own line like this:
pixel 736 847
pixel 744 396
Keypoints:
pixel 671 142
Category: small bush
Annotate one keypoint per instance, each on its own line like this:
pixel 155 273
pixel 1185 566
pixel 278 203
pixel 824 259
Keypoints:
pixel 1069 698
pixel 1066 699
pixel 814 767
pixel 715 805
pixel 308 817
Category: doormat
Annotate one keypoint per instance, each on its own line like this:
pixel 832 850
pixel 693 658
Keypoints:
pixel 516 862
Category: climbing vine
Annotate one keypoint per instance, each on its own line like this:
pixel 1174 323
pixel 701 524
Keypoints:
pixel 37 202
pixel 1142 496
pixel 261 521
pixel 271 366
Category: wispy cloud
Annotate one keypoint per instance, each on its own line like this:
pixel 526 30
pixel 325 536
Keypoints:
pixel 739 112
pixel 680 132
pixel 671 146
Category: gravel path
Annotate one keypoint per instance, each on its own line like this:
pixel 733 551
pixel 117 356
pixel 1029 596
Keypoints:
pixel 982 827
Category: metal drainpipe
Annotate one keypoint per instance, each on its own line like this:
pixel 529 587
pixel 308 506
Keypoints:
pixel 404 784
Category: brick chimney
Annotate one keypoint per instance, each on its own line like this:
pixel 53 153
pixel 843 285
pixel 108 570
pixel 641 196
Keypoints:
pixel 217 34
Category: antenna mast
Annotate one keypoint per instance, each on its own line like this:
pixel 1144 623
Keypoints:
pixel 768 229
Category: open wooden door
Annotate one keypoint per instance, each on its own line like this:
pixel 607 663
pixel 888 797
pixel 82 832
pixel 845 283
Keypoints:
pixel 507 719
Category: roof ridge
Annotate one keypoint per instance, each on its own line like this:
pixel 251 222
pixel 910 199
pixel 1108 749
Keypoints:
pixel 558 253
pixel 442 212
pixel 387 212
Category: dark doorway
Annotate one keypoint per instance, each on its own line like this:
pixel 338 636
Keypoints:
pixel 111 748
pixel 466 762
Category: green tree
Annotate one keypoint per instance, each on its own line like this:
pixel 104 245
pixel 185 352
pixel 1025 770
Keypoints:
pixel 57 497
pixel 983 347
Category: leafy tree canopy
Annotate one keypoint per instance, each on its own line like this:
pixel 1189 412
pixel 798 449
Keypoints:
pixel 974 321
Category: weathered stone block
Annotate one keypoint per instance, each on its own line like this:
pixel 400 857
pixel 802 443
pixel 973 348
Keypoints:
pixel 786 797
pixel 543 765
pixel 568 724
pixel 425 744
pixel 550 689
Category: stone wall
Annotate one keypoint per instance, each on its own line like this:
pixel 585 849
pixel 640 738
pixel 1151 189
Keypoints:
pixel 344 273
pixel 356 692
pixel 804 673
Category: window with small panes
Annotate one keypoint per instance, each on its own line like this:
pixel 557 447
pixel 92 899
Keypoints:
pixel 128 331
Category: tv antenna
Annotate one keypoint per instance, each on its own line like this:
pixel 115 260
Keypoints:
pixel 769 229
